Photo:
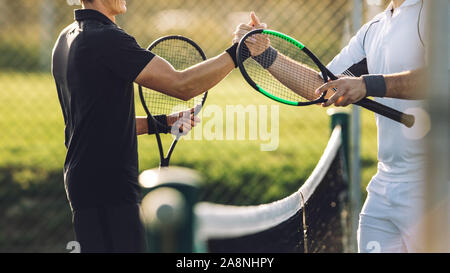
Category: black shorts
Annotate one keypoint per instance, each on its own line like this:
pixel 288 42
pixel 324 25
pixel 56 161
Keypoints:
pixel 109 229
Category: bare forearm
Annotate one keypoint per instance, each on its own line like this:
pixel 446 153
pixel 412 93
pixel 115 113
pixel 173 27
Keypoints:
pixel 141 125
pixel 406 85
pixel 199 78
pixel 287 71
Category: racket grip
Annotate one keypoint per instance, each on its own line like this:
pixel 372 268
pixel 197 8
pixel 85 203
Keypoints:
pixel 405 119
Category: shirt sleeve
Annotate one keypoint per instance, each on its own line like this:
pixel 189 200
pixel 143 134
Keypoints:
pixel 352 54
pixel 123 55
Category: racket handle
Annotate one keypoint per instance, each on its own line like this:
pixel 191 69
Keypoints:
pixel 405 119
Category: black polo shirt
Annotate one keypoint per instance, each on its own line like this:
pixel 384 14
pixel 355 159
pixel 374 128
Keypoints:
pixel 94 65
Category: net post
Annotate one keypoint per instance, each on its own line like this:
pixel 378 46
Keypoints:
pixel 167 209
pixel 342 118
pixel 349 211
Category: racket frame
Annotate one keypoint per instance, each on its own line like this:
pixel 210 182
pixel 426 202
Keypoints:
pixel 164 160
pixel 294 42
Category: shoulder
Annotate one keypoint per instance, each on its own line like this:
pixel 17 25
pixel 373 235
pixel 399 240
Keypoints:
pixel 370 28
pixel 112 36
pixel 377 17
pixel 64 39
pixel 373 22
pixel 69 29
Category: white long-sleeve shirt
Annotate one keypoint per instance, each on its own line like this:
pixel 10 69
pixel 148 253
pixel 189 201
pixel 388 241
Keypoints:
pixel 391 43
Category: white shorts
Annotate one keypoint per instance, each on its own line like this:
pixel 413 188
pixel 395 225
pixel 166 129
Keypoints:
pixel 391 216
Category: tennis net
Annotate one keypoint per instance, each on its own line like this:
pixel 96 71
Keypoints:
pixel 313 219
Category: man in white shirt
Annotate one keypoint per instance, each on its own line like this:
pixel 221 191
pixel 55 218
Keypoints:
pixel 392 45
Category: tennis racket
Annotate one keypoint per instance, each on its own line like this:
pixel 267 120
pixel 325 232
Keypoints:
pixel 284 70
pixel 181 53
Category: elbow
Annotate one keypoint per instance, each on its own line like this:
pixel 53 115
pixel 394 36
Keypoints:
pixel 184 97
pixel 182 93
pixel 183 89
pixel 175 85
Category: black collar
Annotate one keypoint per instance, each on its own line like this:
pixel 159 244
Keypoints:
pixel 85 14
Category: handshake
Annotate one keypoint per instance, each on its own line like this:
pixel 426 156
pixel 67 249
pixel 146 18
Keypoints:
pixel 257 44
pixel 243 29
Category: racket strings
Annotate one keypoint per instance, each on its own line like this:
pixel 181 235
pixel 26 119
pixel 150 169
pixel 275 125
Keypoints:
pixel 181 55
pixel 297 72
pixel 348 73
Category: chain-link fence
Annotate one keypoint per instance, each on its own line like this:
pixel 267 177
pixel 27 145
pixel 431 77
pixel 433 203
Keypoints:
pixel 238 169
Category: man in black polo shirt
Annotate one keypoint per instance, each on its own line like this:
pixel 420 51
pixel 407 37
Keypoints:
pixel 94 65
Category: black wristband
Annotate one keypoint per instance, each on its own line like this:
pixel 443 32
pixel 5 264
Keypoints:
pixel 375 85
pixel 161 124
pixel 232 51
pixel 267 58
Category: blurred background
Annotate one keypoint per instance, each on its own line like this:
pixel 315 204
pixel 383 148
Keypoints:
pixel 34 213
